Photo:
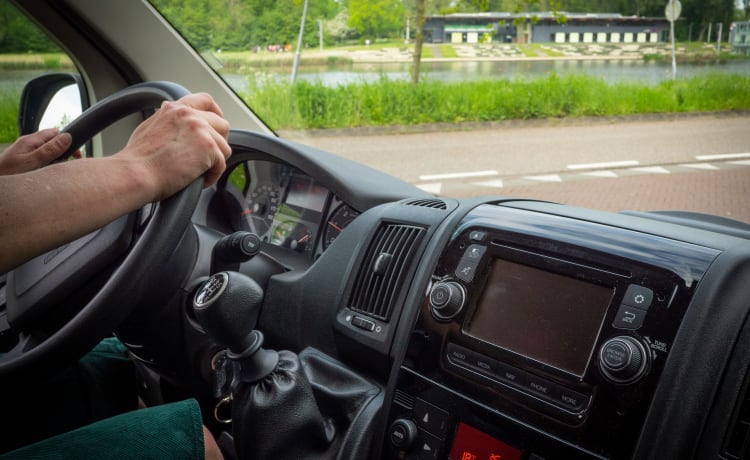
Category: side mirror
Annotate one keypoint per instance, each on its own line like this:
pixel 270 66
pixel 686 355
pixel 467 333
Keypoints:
pixel 50 101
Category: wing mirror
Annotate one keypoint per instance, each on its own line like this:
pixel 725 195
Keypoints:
pixel 51 101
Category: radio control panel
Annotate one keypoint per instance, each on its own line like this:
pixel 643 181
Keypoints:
pixel 553 325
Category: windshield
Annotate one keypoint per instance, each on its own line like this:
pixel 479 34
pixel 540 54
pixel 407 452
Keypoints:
pixel 586 103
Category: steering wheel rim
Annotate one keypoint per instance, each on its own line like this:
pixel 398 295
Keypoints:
pixel 137 272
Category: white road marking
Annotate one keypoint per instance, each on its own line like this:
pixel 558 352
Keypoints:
pixel 723 156
pixel 706 166
pixel 600 174
pixel 604 165
pixel 431 188
pixel 651 170
pixel 741 163
pixel 545 178
pixel 459 175
pixel 490 183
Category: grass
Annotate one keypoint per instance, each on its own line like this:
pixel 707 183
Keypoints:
pixel 527 50
pixel 46 61
pixel 9 101
pixel 448 51
pixel 386 102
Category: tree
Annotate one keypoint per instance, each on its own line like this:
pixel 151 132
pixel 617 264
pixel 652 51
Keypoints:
pixel 376 18
pixel 418 42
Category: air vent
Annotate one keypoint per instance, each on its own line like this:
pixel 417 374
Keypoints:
pixel 737 442
pixel 428 203
pixel 383 271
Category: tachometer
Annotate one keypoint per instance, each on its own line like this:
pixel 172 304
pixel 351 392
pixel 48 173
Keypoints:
pixel 341 217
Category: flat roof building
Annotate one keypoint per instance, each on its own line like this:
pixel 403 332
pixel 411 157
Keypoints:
pixel 545 28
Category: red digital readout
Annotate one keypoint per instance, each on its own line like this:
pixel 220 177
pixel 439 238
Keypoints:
pixel 472 444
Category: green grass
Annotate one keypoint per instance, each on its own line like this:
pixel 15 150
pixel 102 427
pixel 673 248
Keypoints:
pixel 46 61
pixel 386 102
pixel 448 51
pixel 527 50
pixel 427 52
pixel 9 101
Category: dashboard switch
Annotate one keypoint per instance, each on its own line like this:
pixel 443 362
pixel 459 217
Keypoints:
pixel 446 300
pixel 403 433
pixel 623 359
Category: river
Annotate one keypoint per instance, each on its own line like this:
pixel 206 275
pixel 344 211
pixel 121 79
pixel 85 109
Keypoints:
pixel 612 71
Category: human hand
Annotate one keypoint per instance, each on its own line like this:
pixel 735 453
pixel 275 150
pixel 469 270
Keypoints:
pixel 181 141
pixel 33 151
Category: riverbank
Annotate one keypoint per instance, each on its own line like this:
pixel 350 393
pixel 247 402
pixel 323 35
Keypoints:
pixel 447 52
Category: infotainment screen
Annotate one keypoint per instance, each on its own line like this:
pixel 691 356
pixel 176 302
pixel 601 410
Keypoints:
pixel 551 318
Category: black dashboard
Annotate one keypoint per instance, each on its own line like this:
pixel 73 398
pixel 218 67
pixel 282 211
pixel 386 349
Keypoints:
pixel 496 327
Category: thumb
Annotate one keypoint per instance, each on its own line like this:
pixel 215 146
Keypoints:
pixel 55 147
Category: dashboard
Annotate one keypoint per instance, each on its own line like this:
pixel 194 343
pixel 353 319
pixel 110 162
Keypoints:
pixel 283 206
pixel 493 327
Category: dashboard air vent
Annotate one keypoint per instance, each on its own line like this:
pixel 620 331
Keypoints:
pixel 383 274
pixel 433 203
pixel 737 441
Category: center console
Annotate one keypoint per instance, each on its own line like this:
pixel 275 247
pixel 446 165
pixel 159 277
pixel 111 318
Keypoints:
pixel 540 337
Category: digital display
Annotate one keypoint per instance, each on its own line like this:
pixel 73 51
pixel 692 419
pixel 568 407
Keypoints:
pixel 551 318
pixel 472 444
pixel 306 194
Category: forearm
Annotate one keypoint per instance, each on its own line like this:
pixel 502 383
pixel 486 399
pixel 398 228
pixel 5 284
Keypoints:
pixel 43 209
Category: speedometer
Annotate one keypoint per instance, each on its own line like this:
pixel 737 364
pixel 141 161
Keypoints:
pixel 261 208
pixel 341 217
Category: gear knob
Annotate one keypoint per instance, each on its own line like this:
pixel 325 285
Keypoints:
pixel 227 306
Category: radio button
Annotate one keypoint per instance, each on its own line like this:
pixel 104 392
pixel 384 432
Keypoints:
pixel 431 418
pixel 465 270
pixel 459 355
pixel 474 252
pixel 568 398
pixel 483 363
pixel 638 297
pixel 540 386
pixel 446 300
pixel 477 236
pixel 510 374
pixel 623 359
pixel 629 318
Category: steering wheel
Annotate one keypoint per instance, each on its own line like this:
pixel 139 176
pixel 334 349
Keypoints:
pixel 37 289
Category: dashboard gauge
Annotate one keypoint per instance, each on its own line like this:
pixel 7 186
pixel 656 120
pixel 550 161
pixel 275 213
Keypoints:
pixel 293 235
pixel 341 217
pixel 262 205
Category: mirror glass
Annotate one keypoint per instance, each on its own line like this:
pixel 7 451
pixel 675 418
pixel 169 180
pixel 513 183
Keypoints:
pixel 64 107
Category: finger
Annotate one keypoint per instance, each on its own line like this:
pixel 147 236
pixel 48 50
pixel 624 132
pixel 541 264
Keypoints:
pixel 202 101
pixel 215 171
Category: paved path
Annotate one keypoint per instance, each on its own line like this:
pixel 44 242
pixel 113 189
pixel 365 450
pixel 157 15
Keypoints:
pixel 699 163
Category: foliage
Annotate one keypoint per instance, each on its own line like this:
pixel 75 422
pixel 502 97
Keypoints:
pixel 376 18
pixel 245 24
pixel 387 102
pixel 18 34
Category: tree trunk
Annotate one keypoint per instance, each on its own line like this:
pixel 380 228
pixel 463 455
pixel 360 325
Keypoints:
pixel 418 41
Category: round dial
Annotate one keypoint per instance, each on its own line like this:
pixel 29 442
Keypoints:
pixel 262 204
pixel 341 217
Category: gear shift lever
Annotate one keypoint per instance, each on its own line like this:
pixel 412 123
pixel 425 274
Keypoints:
pixel 227 305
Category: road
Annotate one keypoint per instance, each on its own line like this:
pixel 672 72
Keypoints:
pixel 692 162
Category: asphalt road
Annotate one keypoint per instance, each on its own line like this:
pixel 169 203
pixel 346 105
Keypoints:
pixel 691 162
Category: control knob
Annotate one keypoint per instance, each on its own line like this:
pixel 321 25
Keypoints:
pixel 623 359
pixel 447 300
pixel 403 433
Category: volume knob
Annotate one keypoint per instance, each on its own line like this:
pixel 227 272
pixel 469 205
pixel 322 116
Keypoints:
pixel 623 359
pixel 446 300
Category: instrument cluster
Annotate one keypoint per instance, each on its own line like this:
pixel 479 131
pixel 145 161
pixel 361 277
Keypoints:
pixel 283 206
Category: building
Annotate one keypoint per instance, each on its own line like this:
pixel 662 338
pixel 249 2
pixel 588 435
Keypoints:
pixel 739 37
pixel 545 28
